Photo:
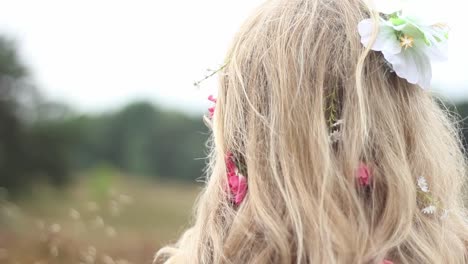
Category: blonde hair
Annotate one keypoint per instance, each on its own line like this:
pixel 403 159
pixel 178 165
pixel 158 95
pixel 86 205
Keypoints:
pixel 303 204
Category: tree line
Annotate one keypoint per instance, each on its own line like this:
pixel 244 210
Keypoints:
pixel 42 141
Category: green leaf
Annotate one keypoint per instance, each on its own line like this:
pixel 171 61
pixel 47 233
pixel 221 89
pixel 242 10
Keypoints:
pixel 397 21
pixel 393 15
pixel 426 40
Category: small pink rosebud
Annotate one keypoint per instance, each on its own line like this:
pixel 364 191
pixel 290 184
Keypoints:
pixel 211 110
pixel 241 190
pixel 364 174
pixel 237 182
pixel 212 99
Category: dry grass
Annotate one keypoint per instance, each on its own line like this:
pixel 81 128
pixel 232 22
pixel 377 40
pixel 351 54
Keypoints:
pixel 105 220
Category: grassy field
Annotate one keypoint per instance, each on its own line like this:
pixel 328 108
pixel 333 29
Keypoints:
pixel 105 219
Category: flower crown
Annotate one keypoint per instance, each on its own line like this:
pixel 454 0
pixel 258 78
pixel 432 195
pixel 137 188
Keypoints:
pixel 409 41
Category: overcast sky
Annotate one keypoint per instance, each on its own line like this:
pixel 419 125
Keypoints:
pixel 100 54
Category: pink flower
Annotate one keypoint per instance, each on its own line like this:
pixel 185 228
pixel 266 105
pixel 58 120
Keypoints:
pixel 364 174
pixel 238 186
pixel 385 261
pixel 237 182
pixel 212 99
pixel 230 165
pixel 211 110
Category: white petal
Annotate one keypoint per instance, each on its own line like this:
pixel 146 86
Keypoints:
pixel 386 39
pixel 387 6
pixel 335 136
pixel 422 183
pixel 413 65
pixel 365 29
pixel 431 209
pixel 435 34
pixel 438 51
pixel 338 123
pixel 399 27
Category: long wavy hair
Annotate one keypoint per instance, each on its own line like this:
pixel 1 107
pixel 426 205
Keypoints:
pixel 287 64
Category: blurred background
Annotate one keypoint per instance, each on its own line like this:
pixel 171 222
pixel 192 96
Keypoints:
pixel 102 144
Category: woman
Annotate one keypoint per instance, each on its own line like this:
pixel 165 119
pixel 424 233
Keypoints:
pixel 326 148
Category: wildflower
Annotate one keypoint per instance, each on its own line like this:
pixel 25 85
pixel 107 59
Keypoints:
pixel 98 222
pixel 338 123
pixel 422 183
pixel 92 251
pixel 408 41
pixel 88 259
pixel 211 110
pixel 74 214
pixel 55 228
pixel 54 251
pixel 335 136
pixel 364 174
pixel 110 231
pixel 237 182
pixel 431 209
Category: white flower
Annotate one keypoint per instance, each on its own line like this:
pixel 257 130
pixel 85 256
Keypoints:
pixel 407 42
pixel 92 251
pixel 412 65
pixel 431 209
pixel 445 214
pixel 385 41
pixel 338 123
pixel 335 136
pixel 422 183
pixel 107 260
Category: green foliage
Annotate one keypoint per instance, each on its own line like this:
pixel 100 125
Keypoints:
pixel 101 179
pixel 141 140
pixel 28 151
pixel 9 62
